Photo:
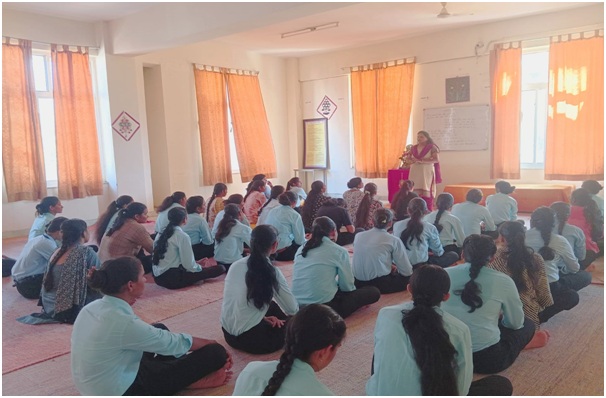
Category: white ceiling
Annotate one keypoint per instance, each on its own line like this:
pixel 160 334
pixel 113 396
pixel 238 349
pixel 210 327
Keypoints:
pixel 359 23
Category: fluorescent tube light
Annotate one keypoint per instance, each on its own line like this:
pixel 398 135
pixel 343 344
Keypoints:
pixel 310 29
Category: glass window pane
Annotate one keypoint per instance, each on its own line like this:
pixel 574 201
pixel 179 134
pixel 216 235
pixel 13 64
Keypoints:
pixel 40 73
pixel 535 68
pixel 46 110
pixel 541 125
pixel 527 127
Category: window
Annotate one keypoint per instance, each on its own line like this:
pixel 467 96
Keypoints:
pixel 535 68
pixel 233 154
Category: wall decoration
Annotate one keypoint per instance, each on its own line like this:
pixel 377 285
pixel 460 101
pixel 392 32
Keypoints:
pixel 327 107
pixel 315 143
pixel 125 125
pixel 457 89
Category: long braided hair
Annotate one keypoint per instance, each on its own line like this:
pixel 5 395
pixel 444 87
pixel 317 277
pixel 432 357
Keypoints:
pixel 230 217
pixel 321 227
pixel 543 219
pixel 311 203
pixel 132 210
pixel 370 190
pixel 217 190
pixel 399 203
pixel 519 256
pixel 176 197
pixel 176 216
pixel 434 353
pixel 581 197
pixel 414 229
pixel 113 208
pixel 477 250
pixel 444 202
pixel 276 191
pixel 72 233
pixel 261 280
pixel 313 328
pixel 562 213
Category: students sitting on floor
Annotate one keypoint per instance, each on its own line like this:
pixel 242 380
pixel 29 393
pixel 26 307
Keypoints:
pixel 420 236
pixel 197 229
pixel 315 199
pixel 174 264
pixel 399 203
pixel 501 206
pixel 353 196
pixel 422 350
pixel 322 273
pixel 215 203
pixel 448 225
pixel 476 218
pixel 288 223
pixel 113 351
pixel 261 177
pixel 109 217
pixel 235 199
pixel 128 237
pixel 562 267
pixel 271 203
pixel 380 258
pixel 45 212
pixel 177 199
pixel 527 270
pixel 254 200
pixel 573 234
pixel 254 291
pixel 336 210
pixel 33 260
pixel 296 186
pixel 313 337
pixel 479 297
pixel 594 188
pixel 231 236
pixel 585 214
pixel 367 208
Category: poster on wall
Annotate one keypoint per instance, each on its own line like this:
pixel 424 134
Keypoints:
pixel 327 107
pixel 457 89
pixel 125 125
pixel 315 143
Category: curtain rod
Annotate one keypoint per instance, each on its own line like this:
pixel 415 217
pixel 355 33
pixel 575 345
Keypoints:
pixel 40 45
pixel 212 68
pixel 399 61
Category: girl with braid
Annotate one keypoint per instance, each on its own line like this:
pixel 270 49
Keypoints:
pixel 177 199
pixel 271 203
pixel 353 196
pixel 399 203
pixel 315 199
pixel 322 273
pixel 447 224
pixel 367 208
pixel 422 350
pixel 174 265
pixel 420 236
pixel 231 236
pixel 313 337
pixel 257 298
pixel 215 203
pixel 573 234
pixel 64 288
pixel 527 270
pixel 109 217
pixel 562 267
pixel 479 296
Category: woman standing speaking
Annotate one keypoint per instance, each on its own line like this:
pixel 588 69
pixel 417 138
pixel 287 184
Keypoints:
pixel 425 167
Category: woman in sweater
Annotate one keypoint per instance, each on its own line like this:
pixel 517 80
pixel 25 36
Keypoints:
pixel 108 218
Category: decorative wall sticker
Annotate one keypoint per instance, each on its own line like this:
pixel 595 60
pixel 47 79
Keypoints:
pixel 327 107
pixel 125 125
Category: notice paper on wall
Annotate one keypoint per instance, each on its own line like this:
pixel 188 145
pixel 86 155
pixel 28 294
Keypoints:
pixel 460 128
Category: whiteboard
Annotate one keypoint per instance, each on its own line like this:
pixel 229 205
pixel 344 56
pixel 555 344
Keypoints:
pixel 461 128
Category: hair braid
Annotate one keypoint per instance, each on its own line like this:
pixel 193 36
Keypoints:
pixel 284 366
pixel 543 219
pixel 321 227
pixel 414 228
pixel 477 250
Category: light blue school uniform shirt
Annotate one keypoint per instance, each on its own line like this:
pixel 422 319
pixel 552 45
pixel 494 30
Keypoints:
pixel 289 225
pixel 599 201
pixel 34 257
pixel 471 215
pixel 108 341
pixel 301 380
pixel 564 261
pixel 499 295
pixel 375 251
pixel 576 237
pixel 178 252
pixel 273 203
pixel 220 216
pixel 230 248
pixel 418 251
pixel 39 225
pixel 452 228
pixel 162 219
pixel 502 207
pixel 395 369
pixel 301 195
pixel 313 279
pixel 239 315
pixel 197 229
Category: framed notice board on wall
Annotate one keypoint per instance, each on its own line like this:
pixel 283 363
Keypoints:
pixel 459 128
pixel 315 143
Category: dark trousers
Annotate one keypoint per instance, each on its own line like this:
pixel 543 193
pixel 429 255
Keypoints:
pixel 201 251
pixel 590 257
pixel 146 261
pixel 167 375
pixel 346 238
pixel 7 266
pixel 564 298
pixel 445 260
pixel 288 254
pixel 390 283
pixel 491 386
pixel 346 303
pixel 263 338
pixel 177 278
pixel 501 355
pixel 29 287
pixel 576 281
pixel 453 248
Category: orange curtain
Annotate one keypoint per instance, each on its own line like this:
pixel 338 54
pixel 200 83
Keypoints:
pixel 575 122
pixel 22 154
pixel 506 94
pixel 254 145
pixel 78 160
pixel 212 122
pixel 381 105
